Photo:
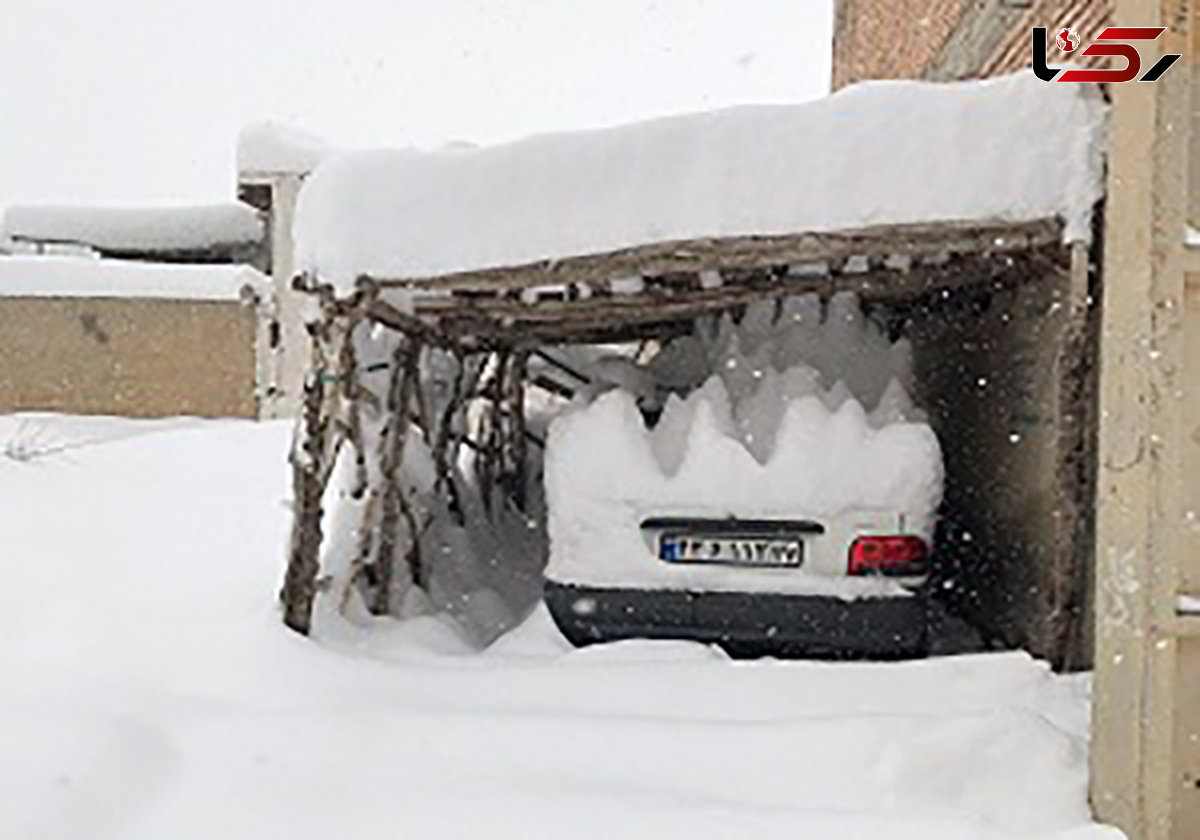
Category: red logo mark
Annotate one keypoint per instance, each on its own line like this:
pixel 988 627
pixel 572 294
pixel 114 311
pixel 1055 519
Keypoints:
pixel 1068 40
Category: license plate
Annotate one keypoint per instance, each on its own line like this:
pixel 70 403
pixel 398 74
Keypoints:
pixel 741 551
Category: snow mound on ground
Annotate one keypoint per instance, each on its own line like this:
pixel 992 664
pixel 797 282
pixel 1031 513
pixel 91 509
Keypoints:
pixel 151 691
pixel 870 154
pixel 415 638
pixel 180 228
pixel 643 651
pixel 479 560
pixel 536 637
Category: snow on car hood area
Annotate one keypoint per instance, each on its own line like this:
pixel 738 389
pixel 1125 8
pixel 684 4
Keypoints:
pixel 151 691
pixel 881 152
pixel 806 415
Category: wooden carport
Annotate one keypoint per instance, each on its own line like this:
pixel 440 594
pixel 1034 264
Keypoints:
pixel 492 320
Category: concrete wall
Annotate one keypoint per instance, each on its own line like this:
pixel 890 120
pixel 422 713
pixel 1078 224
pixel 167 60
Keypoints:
pixel 1185 776
pixel 1185 670
pixel 1146 687
pixel 1004 376
pixel 285 351
pixel 133 357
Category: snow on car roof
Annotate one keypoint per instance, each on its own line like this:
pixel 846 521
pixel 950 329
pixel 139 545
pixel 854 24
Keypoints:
pixel 137 229
pixel 879 153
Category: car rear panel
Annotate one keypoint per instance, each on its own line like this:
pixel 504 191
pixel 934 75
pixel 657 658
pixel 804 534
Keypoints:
pixel 744 624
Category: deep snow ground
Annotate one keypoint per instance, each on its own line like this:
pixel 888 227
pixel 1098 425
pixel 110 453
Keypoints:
pixel 148 690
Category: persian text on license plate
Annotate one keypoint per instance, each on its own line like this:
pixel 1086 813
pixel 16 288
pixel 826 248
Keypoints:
pixel 735 550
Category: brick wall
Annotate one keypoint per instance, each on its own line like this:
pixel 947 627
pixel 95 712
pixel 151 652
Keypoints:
pixel 886 39
pixel 951 39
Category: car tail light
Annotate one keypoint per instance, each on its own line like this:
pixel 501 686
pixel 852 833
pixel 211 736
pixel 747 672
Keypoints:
pixel 889 555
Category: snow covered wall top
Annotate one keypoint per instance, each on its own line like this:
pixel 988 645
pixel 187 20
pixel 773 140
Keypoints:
pixel 72 277
pixel 890 152
pixel 273 148
pixel 181 228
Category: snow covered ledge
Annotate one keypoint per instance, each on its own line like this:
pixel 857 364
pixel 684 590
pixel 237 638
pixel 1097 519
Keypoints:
pixel 878 153
pixel 214 231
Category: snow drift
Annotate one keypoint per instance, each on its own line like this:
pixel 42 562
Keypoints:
pixel 875 153
pixel 152 692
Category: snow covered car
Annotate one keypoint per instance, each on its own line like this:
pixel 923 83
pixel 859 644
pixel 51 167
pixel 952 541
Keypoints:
pixel 748 622
pixel 764 510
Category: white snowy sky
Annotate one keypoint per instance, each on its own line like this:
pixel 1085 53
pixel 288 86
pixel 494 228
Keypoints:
pixel 126 101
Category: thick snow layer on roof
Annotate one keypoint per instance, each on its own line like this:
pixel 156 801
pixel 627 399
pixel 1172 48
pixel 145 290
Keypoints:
pixel 183 228
pixel 885 152
pixel 270 147
pixel 76 277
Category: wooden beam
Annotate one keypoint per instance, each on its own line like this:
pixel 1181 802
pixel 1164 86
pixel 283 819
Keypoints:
pixel 754 252
pixel 502 320
pixel 473 334
pixel 318 438
pixel 1068 590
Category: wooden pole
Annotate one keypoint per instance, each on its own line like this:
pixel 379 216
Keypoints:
pixel 314 451
pixel 511 426
pixel 393 505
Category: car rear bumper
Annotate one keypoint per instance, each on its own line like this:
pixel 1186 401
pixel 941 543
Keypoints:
pixel 744 624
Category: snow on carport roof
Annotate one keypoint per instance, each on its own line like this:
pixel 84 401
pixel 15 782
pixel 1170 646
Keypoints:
pixel 879 153
pixel 138 229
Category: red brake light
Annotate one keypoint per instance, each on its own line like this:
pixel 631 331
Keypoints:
pixel 888 555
